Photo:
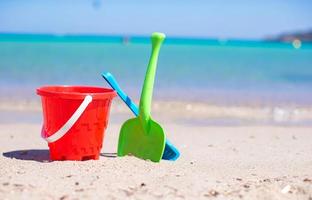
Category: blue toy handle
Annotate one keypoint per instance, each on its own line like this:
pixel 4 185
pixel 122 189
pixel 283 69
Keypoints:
pixel 113 83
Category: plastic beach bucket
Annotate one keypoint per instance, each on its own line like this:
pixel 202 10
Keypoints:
pixel 74 120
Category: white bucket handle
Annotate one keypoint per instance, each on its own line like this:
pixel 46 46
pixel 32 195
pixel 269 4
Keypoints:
pixel 67 126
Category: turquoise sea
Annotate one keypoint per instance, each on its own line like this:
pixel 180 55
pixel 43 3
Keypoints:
pixel 203 70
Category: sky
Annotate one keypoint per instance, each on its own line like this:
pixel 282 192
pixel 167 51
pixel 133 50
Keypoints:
pixel 240 19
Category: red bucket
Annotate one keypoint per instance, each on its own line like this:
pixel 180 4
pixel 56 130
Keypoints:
pixel 75 118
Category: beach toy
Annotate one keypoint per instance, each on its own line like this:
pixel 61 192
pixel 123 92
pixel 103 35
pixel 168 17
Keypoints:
pixel 170 152
pixel 75 118
pixel 141 136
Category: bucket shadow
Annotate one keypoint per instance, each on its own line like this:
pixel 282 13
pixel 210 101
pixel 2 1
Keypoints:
pixel 109 155
pixel 38 155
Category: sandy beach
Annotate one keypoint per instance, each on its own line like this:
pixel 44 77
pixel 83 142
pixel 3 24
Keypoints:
pixel 217 162
pixel 229 82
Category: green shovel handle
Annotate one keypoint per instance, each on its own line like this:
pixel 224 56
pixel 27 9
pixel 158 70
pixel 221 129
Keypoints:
pixel 147 91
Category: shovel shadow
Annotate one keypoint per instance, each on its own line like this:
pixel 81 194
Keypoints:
pixel 38 155
pixel 109 155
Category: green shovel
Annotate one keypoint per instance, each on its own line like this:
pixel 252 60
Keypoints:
pixel 141 136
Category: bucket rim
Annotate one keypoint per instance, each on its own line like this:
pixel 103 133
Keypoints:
pixel 95 91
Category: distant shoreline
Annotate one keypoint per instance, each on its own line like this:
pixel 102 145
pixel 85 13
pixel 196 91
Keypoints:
pixel 290 37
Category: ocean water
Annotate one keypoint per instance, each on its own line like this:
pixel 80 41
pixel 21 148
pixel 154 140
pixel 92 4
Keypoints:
pixel 221 72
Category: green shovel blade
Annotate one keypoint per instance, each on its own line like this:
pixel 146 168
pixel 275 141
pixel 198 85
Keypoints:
pixel 142 136
pixel 146 146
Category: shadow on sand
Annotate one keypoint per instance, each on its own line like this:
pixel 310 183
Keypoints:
pixel 109 155
pixel 39 155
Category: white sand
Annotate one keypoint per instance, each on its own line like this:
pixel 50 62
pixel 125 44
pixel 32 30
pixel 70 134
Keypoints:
pixel 255 162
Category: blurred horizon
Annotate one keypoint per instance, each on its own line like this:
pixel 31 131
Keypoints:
pixel 291 41
pixel 201 19
pixel 255 54
pixel 126 37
